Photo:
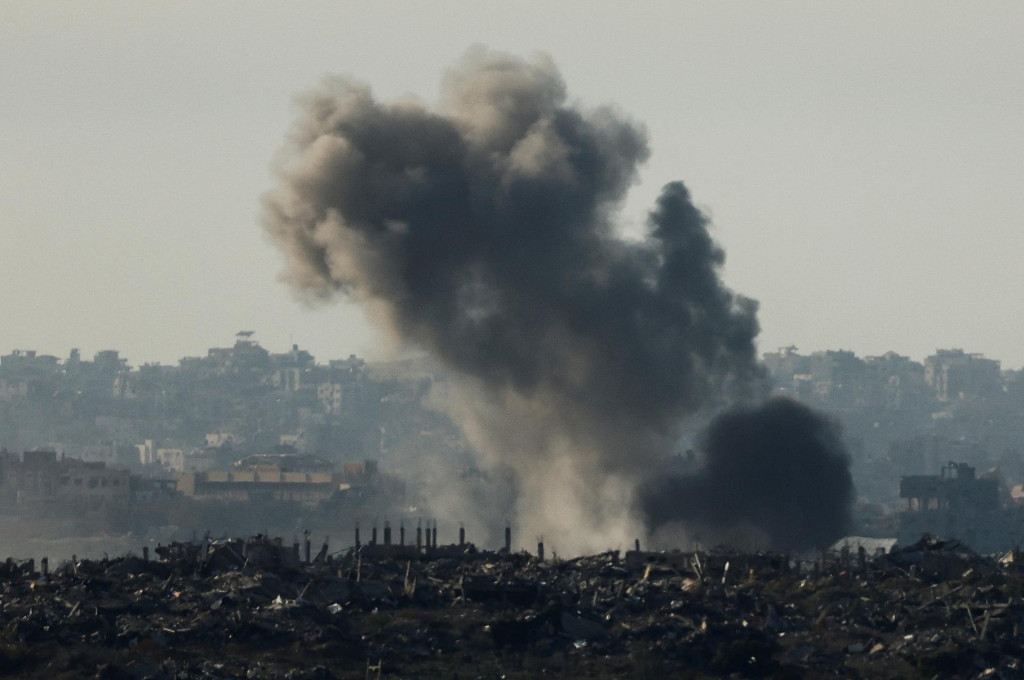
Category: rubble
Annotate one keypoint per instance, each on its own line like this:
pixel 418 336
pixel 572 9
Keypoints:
pixel 256 608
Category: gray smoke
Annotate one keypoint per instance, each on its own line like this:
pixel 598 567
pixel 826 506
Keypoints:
pixel 778 472
pixel 484 232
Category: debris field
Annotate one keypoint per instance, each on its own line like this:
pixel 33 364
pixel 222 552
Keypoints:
pixel 253 609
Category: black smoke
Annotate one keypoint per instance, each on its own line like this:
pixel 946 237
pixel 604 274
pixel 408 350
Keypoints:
pixel 778 469
pixel 484 231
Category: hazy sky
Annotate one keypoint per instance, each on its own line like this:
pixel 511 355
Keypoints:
pixel 863 162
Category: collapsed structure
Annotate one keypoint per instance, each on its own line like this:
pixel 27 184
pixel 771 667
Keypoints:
pixel 264 608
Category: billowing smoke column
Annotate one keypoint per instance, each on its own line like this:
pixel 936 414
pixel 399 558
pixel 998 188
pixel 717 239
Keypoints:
pixel 483 232
pixel 778 472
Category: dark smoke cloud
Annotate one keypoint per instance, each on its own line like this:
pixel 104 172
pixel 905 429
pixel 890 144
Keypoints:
pixel 778 469
pixel 484 233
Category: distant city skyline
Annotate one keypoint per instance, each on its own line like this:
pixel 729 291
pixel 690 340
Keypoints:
pixel 860 162
pixel 87 354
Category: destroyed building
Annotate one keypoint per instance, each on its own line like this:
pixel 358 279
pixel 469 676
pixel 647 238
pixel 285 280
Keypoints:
pixel 271 608
pixel 957 504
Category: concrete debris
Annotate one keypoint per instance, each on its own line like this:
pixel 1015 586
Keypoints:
pixel 253 609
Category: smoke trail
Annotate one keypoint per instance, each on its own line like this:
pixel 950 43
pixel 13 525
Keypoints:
pixel 484 233
pixel 778 470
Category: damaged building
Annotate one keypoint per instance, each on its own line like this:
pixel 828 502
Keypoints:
pixel 959 504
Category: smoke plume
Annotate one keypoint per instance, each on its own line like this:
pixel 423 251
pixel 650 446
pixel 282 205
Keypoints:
pixel 484 232
pixel 778 471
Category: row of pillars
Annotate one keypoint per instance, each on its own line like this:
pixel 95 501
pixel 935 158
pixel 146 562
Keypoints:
pixel 431 531
pixel 431 536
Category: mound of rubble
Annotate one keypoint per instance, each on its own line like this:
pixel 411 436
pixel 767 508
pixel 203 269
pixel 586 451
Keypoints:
pixel 253 609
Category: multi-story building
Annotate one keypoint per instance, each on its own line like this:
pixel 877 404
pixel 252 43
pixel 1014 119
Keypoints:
pixel 955 375
pixel 265 478
pixel 40 478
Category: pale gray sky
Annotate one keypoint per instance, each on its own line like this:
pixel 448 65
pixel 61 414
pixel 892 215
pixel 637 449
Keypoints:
pixel 863 162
